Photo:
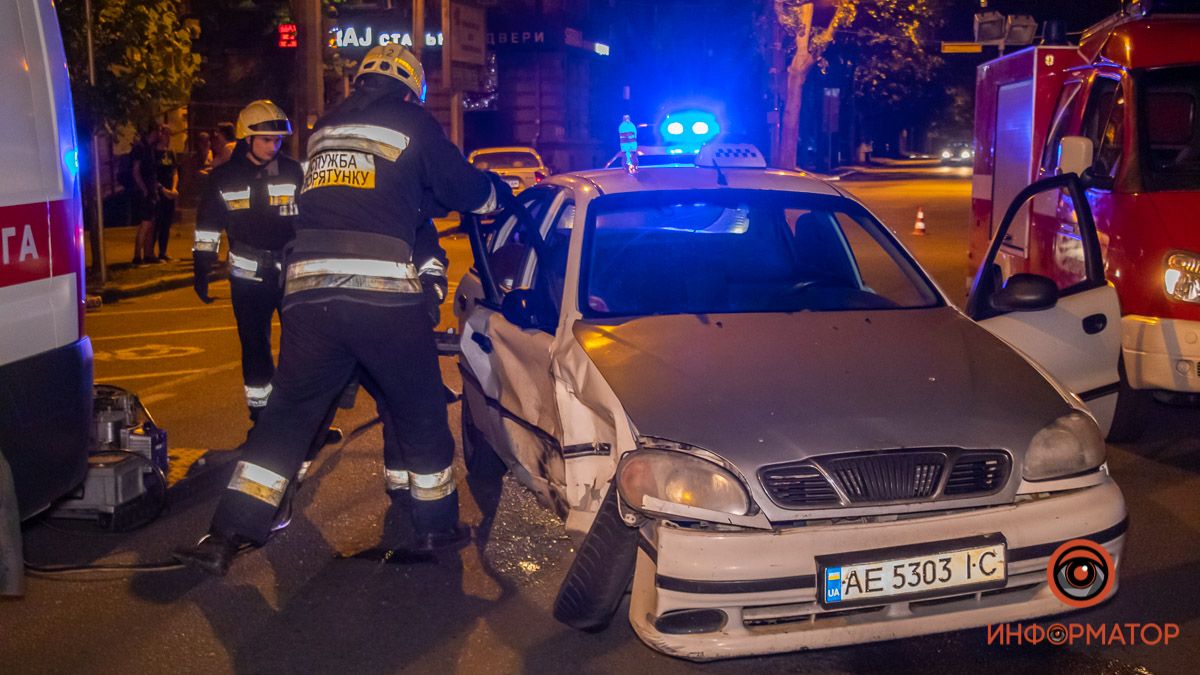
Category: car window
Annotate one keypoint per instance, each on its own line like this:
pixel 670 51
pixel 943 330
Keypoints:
pixel 1068 101
pixel 705 251
pixel 1170 123
pixel 1108 156
pixel 508 244
pixel 1095 115
pixel 552 276
pixel 490 161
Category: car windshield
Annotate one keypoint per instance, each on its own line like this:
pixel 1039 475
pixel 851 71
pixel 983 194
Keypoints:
pixel 1171 127
pixel 506 160
pixel 718 251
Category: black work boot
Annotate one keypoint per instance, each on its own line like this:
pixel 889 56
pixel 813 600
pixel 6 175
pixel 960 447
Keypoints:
pixel 212 554
pixel 332 436
pixel 444 540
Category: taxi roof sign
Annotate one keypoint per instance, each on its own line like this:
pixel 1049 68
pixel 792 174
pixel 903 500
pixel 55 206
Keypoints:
pixel 731 155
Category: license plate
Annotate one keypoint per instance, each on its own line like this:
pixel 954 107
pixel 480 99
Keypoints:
pixel 891 575
pixel 513 182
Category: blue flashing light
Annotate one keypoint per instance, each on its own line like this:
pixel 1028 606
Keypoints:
pixel 71 161
pixel 692 128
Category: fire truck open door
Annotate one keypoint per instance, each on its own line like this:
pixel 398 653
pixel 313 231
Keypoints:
pixel 1072 327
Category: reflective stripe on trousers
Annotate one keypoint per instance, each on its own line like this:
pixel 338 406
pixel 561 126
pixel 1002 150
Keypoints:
pixel 428 487
pixel 396 479
pixel 256 397
pixel 262 484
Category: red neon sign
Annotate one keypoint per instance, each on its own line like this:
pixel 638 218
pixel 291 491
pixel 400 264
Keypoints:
pixel 287 36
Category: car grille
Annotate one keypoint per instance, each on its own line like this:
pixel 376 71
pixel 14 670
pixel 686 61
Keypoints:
pixel 798 485
pixel 977 473
pixel 909 475
pixel 886 477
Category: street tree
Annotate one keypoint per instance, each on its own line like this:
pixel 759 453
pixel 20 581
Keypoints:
pixel 880 41
pixel 895 67
pixel 145 64
pixel 809 43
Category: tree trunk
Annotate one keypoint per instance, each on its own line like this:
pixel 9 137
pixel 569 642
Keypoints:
pixel 798 69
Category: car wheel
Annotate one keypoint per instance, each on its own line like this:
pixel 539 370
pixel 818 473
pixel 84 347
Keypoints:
pixel 600 572
pixel 1132 413
pixel 478 455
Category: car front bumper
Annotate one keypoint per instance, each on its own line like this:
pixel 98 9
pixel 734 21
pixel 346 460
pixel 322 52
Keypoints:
pixel 765 582
pixel 1161 353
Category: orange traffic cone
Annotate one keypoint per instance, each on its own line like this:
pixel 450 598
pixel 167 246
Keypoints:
pixel 919 226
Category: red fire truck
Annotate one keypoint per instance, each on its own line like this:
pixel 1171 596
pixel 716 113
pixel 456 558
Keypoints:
pixel 1129 94
pixel 45 358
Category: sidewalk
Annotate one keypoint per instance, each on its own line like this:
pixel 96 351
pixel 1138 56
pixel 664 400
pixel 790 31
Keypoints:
pixel 127 281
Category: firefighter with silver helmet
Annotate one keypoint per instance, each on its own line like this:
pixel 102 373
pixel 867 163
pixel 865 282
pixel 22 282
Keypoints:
pixel 252 198
pixel 363 285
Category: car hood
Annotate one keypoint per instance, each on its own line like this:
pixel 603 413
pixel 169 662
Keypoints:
pixel 761 389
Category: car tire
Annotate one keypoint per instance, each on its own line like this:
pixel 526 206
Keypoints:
pixel 601 571
pixel 1132 412
pixel 479 456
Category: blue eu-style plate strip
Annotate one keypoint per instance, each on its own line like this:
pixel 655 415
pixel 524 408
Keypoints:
pixel 833 584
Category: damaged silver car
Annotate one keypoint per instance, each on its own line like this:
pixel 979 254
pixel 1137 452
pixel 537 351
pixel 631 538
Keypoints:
pixel 763 413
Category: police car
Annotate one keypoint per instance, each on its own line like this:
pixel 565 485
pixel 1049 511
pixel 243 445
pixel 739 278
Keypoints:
pixel 759 408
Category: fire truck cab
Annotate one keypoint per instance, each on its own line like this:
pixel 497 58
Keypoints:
pixel 1131 88
pixel 45 357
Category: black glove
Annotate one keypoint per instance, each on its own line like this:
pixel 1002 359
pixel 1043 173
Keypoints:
pixel 504 193
pixel 202 264
pixel 434 288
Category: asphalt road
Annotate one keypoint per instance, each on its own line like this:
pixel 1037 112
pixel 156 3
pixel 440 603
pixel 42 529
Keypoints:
pixel 320 598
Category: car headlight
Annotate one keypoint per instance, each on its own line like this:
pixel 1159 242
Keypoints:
pixel 1182 277
pixel 680 478
pixel 1069 445
pixel 946 154
pixel 965 154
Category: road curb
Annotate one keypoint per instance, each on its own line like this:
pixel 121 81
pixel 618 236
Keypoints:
pixel 115 292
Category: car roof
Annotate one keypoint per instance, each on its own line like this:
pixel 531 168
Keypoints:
pixel 686 177
pixel 506 148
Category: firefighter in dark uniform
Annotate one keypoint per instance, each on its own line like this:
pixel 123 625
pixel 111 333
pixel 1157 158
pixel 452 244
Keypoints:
pixel 363 283
pixel 252 197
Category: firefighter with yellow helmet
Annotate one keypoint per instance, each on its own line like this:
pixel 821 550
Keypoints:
pixel 363 285
pixel 252 199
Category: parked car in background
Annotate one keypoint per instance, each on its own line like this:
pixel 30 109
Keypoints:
pixel 750 396
pixel 520 166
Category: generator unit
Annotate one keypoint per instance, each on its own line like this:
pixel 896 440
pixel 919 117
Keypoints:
pixel 126 480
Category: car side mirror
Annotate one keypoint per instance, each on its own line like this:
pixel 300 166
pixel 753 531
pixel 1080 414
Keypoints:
pixel 1075 154
pixel 522 309
pixel 1098 181
pixel 1025 292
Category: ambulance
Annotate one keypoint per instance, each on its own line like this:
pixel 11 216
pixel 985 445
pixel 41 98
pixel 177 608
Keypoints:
pixel 1128 96
pixel 45 357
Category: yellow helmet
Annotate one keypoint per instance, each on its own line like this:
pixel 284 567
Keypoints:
pixel 397 62
pixel 263 118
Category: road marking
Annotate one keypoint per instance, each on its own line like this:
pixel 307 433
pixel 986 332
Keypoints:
pixel 147 352
pixel 124 312
pixel 155 398
pixel 203 372
pixel 146 376
pixel 188 331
